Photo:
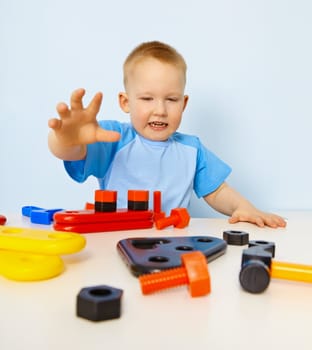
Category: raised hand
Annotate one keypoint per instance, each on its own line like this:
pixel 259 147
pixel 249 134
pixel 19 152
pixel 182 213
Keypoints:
pixel 77 127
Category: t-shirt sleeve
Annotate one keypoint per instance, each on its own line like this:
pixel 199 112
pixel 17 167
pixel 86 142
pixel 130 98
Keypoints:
pixel 211 172
pixel 98 159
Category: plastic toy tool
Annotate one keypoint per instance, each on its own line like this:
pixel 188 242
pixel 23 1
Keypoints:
pixel 193 272
pixel 39 215
pixel 105 216
pixel 258 268
pixel 31 255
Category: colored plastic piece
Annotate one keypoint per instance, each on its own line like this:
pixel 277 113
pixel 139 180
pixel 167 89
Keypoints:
pixel 236 237
pixel 258 268
pixel 3 220
pixel 20 266
pixel 194 272
pixel 154 254
pixel 105 201
pixel 179 218
pixel 89 206
pixel 40 241
pixel 99 303
pixel 100 219
pixel 27 209
pixel 43 217
pixel 103 227
pixel 39 215
pixel 266 245
pixel 138 200
pixel 158 213
pixel 87 221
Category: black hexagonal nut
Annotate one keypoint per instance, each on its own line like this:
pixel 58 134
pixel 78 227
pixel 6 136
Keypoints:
pixel 236 237
pixel 99 303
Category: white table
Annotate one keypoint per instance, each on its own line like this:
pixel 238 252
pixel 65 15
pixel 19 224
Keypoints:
pixel 42 315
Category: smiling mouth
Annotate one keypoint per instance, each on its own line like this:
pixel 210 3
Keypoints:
pixel 158 124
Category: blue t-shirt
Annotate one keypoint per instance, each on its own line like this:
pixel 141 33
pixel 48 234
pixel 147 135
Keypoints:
pixel 175 167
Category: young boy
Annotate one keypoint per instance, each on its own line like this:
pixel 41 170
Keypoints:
pixel 148 153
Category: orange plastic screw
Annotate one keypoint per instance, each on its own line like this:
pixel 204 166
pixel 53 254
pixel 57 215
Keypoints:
pixel 179 218
pixel 194 272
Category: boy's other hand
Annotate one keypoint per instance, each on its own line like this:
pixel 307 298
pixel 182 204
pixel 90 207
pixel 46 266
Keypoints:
pixel 257 217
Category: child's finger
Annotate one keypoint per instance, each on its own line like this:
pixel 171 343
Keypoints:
pixel 233 219
pixel 62 110
pixel 54 123
pixel 259 221
pixel 95 104
pixel 76 99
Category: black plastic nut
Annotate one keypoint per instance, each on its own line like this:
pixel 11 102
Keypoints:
pixel 236 237
pixel 99 303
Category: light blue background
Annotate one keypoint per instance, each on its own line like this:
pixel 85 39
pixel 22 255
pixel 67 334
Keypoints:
pixel 249 81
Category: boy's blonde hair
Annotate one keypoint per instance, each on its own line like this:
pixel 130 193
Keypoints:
pixel 153 49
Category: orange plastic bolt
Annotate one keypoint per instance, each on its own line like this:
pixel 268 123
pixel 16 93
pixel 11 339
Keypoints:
pixel 194 272
pixel 179 218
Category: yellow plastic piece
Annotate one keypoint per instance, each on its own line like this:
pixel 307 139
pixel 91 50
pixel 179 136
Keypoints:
pixel 21 266
pixel 40 241
pixel 290 271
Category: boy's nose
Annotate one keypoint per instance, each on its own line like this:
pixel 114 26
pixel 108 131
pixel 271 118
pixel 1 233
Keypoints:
pixel 160 108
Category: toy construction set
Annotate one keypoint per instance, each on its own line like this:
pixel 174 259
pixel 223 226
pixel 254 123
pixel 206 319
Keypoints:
pixel 158 262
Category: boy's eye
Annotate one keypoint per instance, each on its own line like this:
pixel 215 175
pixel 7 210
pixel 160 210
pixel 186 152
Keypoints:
pixel 172 99
pixel 146 98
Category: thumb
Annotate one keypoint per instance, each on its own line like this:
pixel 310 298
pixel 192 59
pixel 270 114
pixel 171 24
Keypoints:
pixel 233 219
pixel 103 135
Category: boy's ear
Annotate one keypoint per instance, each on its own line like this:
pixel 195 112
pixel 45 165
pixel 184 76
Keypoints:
pixel 124 102
pixel 186 98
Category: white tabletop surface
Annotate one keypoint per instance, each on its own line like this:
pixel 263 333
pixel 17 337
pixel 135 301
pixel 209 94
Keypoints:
pixel 42 315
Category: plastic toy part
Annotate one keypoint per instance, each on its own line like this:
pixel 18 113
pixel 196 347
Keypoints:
pixel 105 201
pixel 291 271
pixel 32 255
pixel 254 276
pixel 267 246
pixel 258 268
pixel 99 303
pixel 40 241
pixel 194 272
pixel 236 237
pixel 138 200
pixel 103 216
pixel 144 255
pixel 179 218
pixel 158 214
pixel 39 215
pixel 88 221
pixel 3 220
pixel 19 266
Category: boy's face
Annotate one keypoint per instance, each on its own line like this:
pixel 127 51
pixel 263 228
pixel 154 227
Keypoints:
pixel 154 98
